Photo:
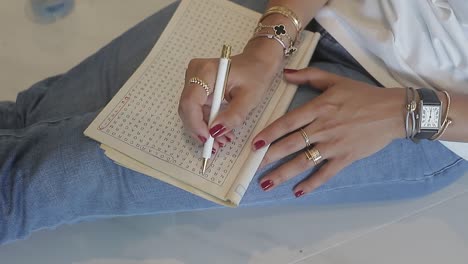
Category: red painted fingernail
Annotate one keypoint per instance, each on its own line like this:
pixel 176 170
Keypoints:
pixel 221 144
pixel 289 70
pixel 203 139
pixel 228 139
pixel 217 130
pixel 267 184
pixel 213 151
pixel 259 144
pixel 299 193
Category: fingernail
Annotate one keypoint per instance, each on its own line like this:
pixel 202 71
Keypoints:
pixel 213 151
pixel 259 144
pixel 266 185
pixel 289 70
pixel 228 139
pixel 203 139
pixel 217 130
pixel 299 193
pixel 221 144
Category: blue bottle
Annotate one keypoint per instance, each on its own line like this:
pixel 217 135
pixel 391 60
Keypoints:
pixel 49 11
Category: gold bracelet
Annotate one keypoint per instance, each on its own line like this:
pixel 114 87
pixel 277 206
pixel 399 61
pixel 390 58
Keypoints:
pixel 287 51
pixel 280 32
pixel 285 12
pixel 443 129
pixel 447 120
pixel 411 106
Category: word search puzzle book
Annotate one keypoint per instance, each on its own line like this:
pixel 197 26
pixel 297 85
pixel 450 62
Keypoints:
pixel 140 128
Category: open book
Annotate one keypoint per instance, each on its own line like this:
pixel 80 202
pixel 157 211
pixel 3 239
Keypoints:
pixel 140 127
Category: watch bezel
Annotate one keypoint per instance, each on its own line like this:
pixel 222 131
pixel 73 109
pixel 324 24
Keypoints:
pixel 439 121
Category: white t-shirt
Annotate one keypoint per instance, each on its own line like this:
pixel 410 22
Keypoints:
pixel 401 43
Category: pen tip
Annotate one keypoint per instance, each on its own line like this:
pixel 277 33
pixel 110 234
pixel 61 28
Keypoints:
pixel 205 161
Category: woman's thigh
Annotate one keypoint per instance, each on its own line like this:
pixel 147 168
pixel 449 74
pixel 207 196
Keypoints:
pixel 51 174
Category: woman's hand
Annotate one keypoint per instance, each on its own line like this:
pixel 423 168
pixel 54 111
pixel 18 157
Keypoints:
pixel 250 76
pixel 349 121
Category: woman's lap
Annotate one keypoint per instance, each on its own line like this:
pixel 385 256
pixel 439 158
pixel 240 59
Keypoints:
pixel 52 174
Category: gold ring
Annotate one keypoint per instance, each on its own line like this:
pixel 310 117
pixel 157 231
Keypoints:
pixel 313 155
pixel 198 81
pixel 306 137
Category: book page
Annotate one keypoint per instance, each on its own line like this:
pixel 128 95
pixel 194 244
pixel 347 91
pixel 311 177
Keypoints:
pixel 142 121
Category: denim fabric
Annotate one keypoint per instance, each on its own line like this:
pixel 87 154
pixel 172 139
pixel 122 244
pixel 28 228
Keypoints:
pixel 51 174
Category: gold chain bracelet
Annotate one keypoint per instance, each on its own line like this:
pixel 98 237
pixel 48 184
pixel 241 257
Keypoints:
pixel 285 12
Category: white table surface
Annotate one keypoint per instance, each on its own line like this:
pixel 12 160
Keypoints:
pixel 428 230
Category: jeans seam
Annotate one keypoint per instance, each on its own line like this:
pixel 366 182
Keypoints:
pixel 442 170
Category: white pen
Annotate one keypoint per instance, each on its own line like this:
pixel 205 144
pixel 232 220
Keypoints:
pixel 218 94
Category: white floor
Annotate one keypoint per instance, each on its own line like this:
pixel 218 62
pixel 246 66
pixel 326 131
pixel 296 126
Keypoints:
pixel 30 51
pixel 428 230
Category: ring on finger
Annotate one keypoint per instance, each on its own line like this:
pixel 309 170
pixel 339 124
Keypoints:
pixel 306 137
pixel 313 155
pixel 198 81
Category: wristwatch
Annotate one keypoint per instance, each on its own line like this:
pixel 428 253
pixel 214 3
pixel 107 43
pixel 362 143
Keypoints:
pixel 429 114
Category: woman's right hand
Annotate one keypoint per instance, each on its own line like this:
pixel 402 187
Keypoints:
pixel 251 73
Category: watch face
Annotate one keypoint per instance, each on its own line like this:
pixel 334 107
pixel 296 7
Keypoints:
pixel 430 117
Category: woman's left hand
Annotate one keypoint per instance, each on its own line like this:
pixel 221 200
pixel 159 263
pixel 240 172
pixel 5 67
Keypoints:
pixel 349 121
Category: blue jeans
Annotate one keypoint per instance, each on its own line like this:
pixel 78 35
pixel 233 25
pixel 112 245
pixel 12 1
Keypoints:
pixel 51 174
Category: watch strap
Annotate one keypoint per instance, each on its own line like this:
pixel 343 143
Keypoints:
pixel 425 134
pixel 428 96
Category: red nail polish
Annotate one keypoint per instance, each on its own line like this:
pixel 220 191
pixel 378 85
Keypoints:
pixel 259 144
pixel 299 193
pixel 267 185
pixel 221 144
pixel 203 139
pixel 217 130
pixel 228 139
pixel 213 151
pixel 289 70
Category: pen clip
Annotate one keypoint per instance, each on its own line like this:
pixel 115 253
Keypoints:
pixel 226 54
